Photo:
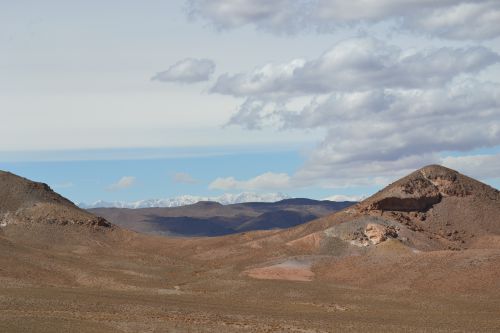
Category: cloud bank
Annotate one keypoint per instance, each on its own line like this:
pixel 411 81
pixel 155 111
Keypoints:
pixel 385 112
pixel 478 166
pixel 450 19
pixel 188 70
pixel 358 64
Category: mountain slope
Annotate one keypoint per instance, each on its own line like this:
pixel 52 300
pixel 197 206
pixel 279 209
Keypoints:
pixel 433 208
pixel 442 204
pixel 25 202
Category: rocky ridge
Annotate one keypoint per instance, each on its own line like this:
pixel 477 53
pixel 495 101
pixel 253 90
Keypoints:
pixel 26 202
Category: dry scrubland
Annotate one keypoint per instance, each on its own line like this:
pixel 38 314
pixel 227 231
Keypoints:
pixel 423 255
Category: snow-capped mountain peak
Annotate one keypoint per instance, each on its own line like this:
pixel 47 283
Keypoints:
pixel 183 200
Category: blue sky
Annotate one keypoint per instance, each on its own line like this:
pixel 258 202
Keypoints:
pixel 309 98
pixel 84 181
pixel 87 180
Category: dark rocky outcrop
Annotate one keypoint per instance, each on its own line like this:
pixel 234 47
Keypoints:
pixel 25 201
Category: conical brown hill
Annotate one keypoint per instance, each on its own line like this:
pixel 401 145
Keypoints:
pixel 433 208
pixel 23 201
pixel 440 202
pixel 426 187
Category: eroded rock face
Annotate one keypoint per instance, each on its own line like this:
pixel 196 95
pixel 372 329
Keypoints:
pixel 374 234
pixel 377 233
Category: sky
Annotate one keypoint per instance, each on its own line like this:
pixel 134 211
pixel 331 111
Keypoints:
pixel 129 100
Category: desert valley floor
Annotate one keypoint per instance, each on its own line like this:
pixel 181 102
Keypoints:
pixel 422 255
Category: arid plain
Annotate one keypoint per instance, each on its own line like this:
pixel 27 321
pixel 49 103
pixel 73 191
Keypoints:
pixel 422 255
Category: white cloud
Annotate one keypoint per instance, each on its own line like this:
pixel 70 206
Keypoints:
pixel 269 79
pixel 357 64
pixel 188 70
pixel 270 15
pixel 319 170
pixel 387 133
pixel 331 176
pixel 477 166
pixel 467 19
pixel 342 197
pixel 183 177
pixel 124 183
pixel 385 112
pixel 265 181
pixel 473 20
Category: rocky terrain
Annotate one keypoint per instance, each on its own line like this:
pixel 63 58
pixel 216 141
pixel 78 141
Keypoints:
pixel 421 255
pixel 23 201
pixel 435 215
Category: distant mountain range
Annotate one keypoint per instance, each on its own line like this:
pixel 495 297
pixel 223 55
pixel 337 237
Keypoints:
pixel 225 199
pixel 208 218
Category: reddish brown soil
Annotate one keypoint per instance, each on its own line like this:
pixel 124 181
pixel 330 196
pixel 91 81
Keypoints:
pixel 60 271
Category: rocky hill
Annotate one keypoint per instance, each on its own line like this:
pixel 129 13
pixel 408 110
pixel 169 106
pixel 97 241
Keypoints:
pixel 434 228
pixel 440 203
pixel 433 208
pixel 26 202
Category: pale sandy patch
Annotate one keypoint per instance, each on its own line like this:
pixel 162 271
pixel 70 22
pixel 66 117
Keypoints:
pixel 290 270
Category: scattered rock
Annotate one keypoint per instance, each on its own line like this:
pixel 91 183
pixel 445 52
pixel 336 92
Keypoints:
pixel 373 234
pixel 378 233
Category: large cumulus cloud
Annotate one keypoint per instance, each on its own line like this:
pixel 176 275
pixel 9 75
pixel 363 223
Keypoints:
pixel 385 133
pixel 385 112
pixel 391 131
pixel 452 19
pixel 358 64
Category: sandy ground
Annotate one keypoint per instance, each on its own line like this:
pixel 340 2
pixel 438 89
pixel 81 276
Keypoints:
pixel 108 287
pixel 290 270
pixel 249 306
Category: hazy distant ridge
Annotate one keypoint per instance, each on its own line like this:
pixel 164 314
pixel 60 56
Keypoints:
pixel 225 199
